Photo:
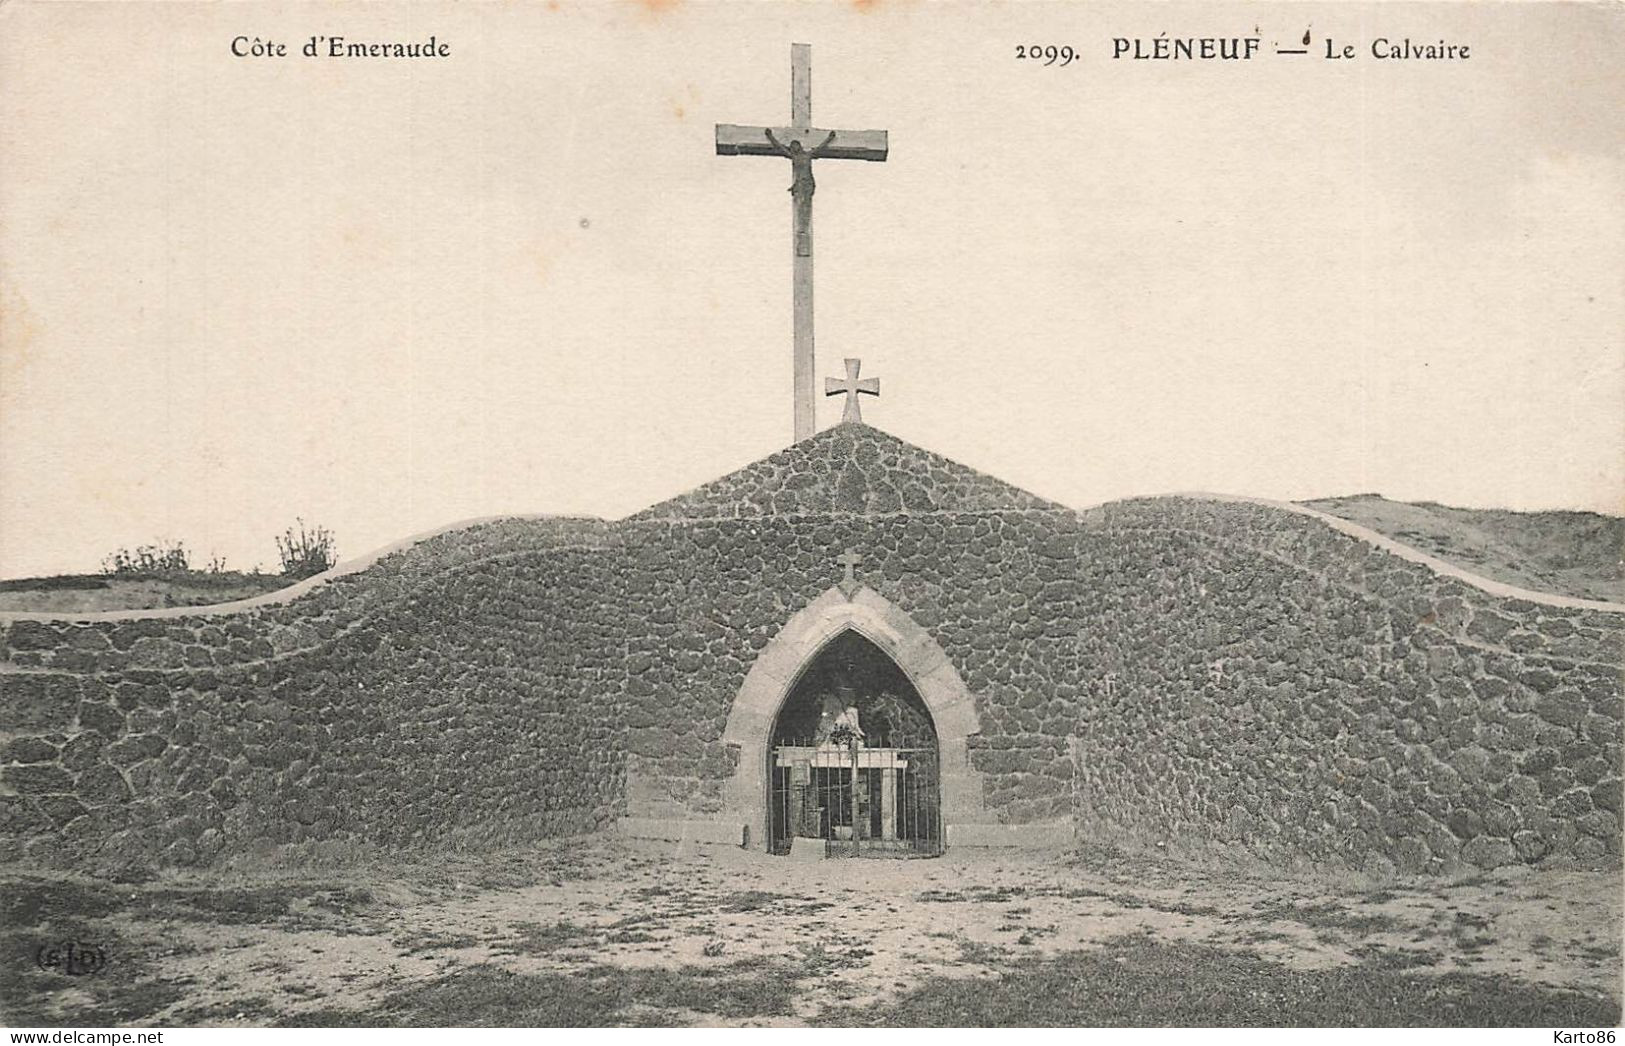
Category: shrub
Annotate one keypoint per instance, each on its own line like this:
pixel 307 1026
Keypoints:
pixel 307 552
pixel 166 557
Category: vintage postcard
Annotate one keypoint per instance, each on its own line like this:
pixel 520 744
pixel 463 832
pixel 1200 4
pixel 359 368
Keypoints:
pixel 835 514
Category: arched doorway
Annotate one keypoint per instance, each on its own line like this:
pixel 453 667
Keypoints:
pixel 854 765
pixel 784 661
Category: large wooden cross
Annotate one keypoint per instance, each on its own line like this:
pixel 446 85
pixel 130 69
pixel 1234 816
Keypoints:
pixel 801 143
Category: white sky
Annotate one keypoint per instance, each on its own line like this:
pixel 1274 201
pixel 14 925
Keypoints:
pixel 387 296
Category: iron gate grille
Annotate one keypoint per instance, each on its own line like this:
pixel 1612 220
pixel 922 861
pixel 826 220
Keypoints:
pixel 858 800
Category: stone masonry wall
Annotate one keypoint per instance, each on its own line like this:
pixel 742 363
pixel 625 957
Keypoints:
pixel 1256 678
pixel 1170 670
pixel 993 588
pixel 464 689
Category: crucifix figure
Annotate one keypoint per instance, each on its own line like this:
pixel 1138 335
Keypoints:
pixel 801 143
pixel 852 388
pixel 802 184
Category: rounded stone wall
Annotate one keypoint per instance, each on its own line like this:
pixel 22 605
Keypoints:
pixel 467 689
pixel 1168 670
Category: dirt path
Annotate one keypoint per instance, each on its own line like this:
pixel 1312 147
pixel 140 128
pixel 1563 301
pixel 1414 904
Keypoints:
pixel 867 930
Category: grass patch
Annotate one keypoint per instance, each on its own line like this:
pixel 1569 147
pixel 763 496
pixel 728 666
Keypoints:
pixel 434 941
pixel 1140 982
pixel 34 900
pixel 1263 937
pixel 819 961
pixel 1377 957
pixel 1327 916
pixel 292 905
pixel 1119 898
pixel 459 864
pixel 649 893
pixel 147 963
pixel 137 982
pixel 253 1009
pixel 630 937
pixel 554 862
pixel 753 901
pixel 490 997
pixel 981 954
pixel 539 939
pixel 1467 931
pixel 1569 553
pixel 974 894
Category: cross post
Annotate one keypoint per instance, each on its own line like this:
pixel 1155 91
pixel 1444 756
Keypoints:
pixel 801 143
pixel 852 388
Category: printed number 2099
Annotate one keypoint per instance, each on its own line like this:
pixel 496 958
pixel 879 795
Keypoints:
pixel 1049 54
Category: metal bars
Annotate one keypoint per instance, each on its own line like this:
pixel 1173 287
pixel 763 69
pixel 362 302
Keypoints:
pixel 858 800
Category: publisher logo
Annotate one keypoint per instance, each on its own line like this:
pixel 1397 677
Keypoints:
pixel 74 958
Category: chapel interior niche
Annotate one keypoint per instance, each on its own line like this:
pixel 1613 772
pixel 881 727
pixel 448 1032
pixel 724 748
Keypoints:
pixel 854 765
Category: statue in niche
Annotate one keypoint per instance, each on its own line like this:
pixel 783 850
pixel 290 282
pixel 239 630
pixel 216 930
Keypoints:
pixel 894 722
pixel 838 707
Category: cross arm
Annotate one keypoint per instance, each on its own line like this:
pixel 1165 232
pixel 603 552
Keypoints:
pixel 741 140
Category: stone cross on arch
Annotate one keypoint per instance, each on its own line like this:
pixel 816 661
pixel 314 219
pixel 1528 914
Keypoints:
pixel 852 388
pixel 849 584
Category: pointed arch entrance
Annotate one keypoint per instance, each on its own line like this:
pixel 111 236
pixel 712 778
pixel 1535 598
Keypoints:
pixel 853 764
pixel 786 659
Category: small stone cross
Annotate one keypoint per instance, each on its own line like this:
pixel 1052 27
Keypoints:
pixel 850 560
pixel 852 388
